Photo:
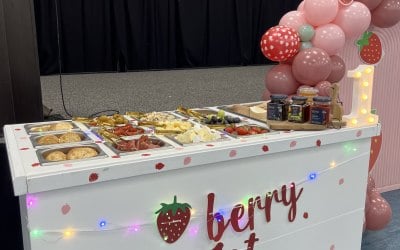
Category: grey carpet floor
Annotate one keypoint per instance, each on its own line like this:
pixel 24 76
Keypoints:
pixel 389 237
pixel 147 91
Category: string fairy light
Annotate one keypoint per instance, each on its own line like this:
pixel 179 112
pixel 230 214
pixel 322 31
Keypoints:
pixel 104 226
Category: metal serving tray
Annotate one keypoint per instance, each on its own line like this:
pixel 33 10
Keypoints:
pixel 34 129
pixel 84 140
pixel 42 153
pixel 229 108
pixel 222 138
pixel 163 146
pixel 269 132
pixel 138 116
pixel 202 111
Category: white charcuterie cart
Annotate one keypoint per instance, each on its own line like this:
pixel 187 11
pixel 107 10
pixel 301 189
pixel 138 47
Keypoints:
pixel 278 190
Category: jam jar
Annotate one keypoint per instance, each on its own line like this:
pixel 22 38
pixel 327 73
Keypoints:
pixel 299 110
pixel 277 108
pixel 320 110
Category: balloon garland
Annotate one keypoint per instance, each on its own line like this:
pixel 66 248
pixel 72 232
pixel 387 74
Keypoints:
pixel 307 40
pixel 306 43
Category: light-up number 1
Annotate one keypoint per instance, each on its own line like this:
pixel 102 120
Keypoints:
pixel 361 115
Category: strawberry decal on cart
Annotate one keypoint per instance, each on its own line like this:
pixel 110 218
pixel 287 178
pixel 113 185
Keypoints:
pixel 172 220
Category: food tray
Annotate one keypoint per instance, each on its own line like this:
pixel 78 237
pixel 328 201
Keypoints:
pixel 88 122
pixel 201 111
pixel 155 140
pixel 42 153
pixel 112 135
pixel 219 126
pixel 138 117
pixel 84 140
pixel 269 132
pixel 30 127
pixel 246 110
pixel 222 138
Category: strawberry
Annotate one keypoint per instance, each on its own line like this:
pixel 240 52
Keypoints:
pixel 242 131
pixel 229 130
pixel 370 48
pixel 172 220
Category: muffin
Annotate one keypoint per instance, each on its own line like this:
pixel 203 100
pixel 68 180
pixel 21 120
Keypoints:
pixel 61 126
pixel 81 153
pixel 56 156
pixel 48 140
pixel 70 137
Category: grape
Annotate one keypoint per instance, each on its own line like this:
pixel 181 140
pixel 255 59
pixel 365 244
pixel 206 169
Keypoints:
pixel 221 114
pixel 236 119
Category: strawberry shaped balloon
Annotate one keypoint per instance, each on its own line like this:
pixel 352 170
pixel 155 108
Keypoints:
pixel 280 43
pixel 370 48
pixel 172 220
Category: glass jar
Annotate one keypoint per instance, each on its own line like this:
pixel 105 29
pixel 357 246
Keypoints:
pixel 277 108
pixel 320 110
pixel 299 110
pixel 308 92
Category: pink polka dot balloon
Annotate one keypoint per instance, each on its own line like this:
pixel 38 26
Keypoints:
pixel 280 43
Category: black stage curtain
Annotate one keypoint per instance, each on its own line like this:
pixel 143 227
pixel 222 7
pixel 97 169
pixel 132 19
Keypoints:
pixel 120 35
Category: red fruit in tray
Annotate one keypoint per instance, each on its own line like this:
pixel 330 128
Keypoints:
pixel 230 130
pixel 172 220
pixel 370 48
pixel 242 131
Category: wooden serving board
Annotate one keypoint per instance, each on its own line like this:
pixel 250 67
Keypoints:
pixel 285 125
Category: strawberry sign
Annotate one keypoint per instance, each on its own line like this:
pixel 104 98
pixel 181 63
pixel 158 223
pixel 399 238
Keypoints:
pixel 370 48
pixel 172 220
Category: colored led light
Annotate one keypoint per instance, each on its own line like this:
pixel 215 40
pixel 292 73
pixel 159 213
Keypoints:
pixel 218 217
pixel 193 230
pixel 364 97
pixel 365 84
pixel 312 176
pixel 371 119
pixel 354 121
pixel 68 233
pixel 31 201
pixel 103 223
pixel 332 164
pixel 134 228
pixel 36 233
pixel 364 111
pixel 368 70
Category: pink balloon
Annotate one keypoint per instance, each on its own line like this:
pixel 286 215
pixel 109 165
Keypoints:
pixel 330 38
pixel 387 14
pixel 370 185
pixel 280 80
pixel 345 3
pixel 338 69
pixel 311 66
pixel 379 213
pixel 371 4
pixel 319 12
pixel 367 204
pixel 293 19
pixel 301 6
pixel 323 88
pixel 266 95
pixel 353 19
